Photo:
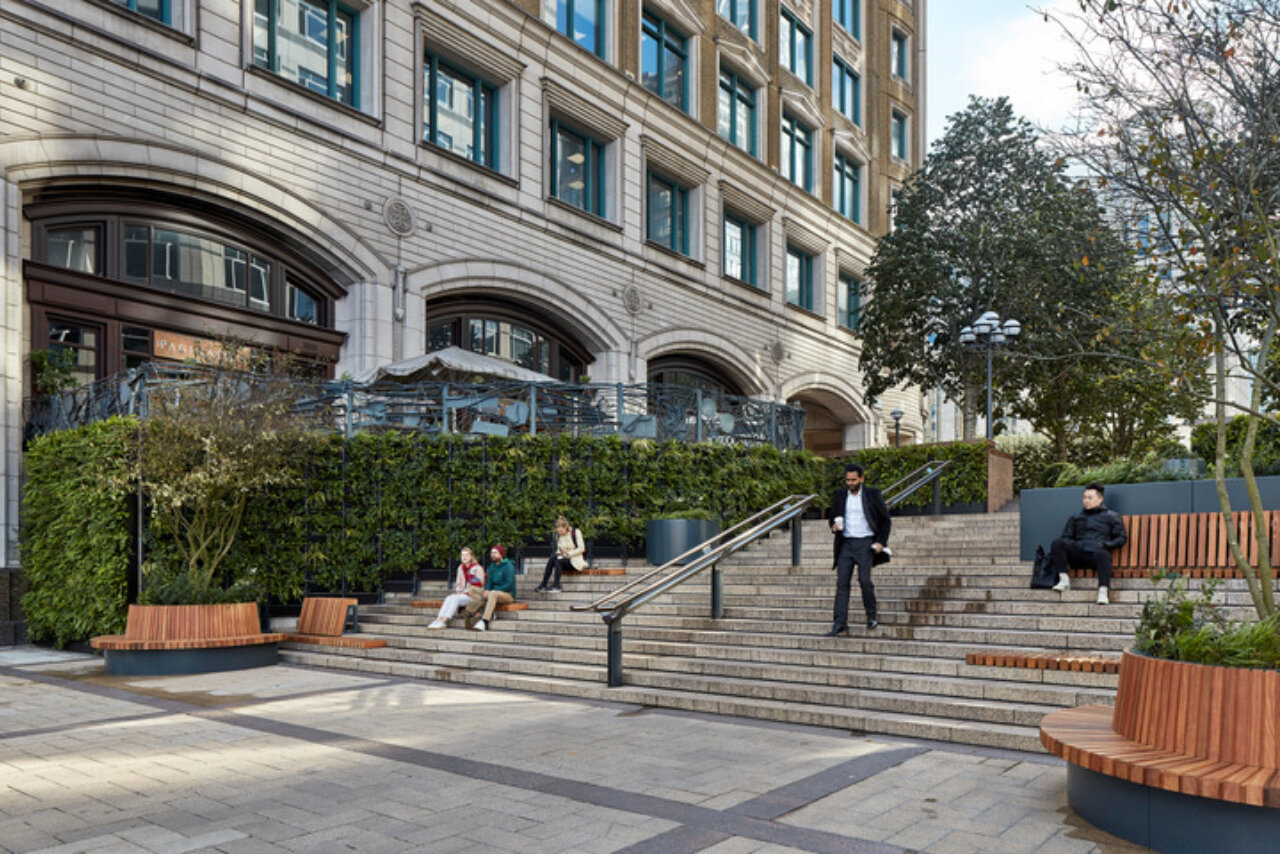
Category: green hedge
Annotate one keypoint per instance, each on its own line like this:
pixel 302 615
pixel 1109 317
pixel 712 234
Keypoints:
pixel 76 533
pixel 384 504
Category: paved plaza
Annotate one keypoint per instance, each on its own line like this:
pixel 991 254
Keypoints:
pixel 289 759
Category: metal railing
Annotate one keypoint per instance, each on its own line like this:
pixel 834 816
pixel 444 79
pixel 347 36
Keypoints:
pixel 485 408
pixel 613 606
pixel 904 487
pixel 708 555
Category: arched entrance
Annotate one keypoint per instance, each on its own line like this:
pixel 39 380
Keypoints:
pixel 832 425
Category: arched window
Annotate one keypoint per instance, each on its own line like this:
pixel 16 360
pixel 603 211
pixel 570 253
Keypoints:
pixel 505 331
pixel 692 372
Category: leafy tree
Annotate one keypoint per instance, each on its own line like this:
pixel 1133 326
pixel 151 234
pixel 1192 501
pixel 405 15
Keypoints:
pixel 1182 122
pixel 992 221
pixel 210 445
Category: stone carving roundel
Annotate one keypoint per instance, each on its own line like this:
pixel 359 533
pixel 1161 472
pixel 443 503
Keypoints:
pixel 398 216
pixel 631 299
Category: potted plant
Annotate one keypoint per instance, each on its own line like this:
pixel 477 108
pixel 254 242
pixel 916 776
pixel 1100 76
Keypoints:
pixel 674 533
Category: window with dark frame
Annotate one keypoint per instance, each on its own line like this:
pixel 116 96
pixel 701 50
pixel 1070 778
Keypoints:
pixel 846 90
pixel 577 169
pixel 898 55
pixel 459 112
pixel 795 46
pixel 159 10
pixel 898 135
pixel 741 13
pixel 847 186
pixel 740 250
pixel 797 152
pixel 848 15
pixel 667 210
pixel 310 42
pixel 799 278
pixel 664 59
pixel 849 307
pixel 736 111
pixel 583 21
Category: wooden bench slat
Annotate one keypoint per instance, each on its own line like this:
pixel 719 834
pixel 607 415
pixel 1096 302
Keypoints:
pixel 324 615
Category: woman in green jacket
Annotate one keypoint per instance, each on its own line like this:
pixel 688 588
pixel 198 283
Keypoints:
pixel 499 588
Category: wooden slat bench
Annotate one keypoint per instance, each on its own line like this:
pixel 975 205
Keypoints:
pixel 229 636
pixel 436 603
pixel 1192 544
pixel 324 620
pixel 1197 730
pixel 1046 661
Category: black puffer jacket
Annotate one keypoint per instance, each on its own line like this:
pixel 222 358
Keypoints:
pixel 1095 530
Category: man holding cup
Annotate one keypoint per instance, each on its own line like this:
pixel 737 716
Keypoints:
pixel 860 521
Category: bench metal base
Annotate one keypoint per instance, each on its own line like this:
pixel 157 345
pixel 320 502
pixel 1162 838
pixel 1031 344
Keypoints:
pixel 175 662
pixel 1170 822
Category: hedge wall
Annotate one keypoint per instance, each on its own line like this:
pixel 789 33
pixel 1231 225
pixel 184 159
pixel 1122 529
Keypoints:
pixel 384 504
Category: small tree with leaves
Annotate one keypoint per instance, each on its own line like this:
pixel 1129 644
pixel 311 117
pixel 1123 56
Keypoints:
pixel 211 442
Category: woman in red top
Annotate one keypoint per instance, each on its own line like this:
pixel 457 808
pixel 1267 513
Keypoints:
pixel 468 586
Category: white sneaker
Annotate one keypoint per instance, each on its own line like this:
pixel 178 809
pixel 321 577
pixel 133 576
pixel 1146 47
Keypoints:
pixel 438 624
pixel 479 626
pixel 1064 582
pixel 1103 598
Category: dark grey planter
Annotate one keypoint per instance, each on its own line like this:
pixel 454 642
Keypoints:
pixel 666 539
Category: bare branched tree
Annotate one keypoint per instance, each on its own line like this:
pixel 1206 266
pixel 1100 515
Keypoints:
pixel 1181 121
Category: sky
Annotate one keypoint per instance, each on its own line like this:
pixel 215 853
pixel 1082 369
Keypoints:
pixel 993 48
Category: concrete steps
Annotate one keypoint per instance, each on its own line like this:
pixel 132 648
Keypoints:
pixel 955 586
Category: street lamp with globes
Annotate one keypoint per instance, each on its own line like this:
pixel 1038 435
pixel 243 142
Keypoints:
pixel 896 415
pixel 989 332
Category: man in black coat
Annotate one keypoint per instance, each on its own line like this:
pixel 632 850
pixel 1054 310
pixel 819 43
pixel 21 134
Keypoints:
pixel 1087 541
pixel 859 519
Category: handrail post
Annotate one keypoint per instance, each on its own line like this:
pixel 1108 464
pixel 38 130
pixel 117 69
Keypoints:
pixel 615 651
pixel 797 538
pixel 717 592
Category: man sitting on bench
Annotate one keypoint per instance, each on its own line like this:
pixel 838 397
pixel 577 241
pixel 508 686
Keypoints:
pixel 1087 541
pixel 499 589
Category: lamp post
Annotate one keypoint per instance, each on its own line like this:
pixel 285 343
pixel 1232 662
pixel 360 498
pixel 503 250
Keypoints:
pixel 896 415
pixel 989 332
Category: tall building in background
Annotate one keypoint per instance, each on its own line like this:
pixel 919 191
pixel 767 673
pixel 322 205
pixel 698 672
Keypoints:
pixel 681 191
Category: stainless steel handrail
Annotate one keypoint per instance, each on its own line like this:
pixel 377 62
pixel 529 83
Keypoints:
pixel 930 472
pixel 793 507
pixel 675 561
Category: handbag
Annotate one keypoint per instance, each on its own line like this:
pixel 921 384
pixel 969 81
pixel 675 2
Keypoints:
pixel 1042 575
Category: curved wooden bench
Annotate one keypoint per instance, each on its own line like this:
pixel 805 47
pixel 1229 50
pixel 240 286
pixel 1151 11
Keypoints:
pixel 171 639
pixel 1193 729
pixel 323 621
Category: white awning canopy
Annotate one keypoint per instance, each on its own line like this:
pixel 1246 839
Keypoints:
pixel 452 364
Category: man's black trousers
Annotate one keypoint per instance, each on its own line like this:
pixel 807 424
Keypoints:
pixel 854 551
pixel 1064 553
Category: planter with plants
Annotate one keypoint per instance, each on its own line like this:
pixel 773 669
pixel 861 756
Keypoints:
pixel 674 533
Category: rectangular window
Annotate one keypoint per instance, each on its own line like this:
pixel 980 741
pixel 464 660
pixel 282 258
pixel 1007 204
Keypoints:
pixel 898 55
pixel 850 302
pixel 663 61
pixel 83 341
pixel 156 9
pixel 799 278
pixel 668 210
pixel 311 42
pixel 736 115
pixel 73 247
pixel 797 152
pixel 794 42
pixel 846 187
pixel 846 94
pixel 741 12
pixel 577 169
pixel 848 14
pixel 459 112
pixel 740 250
pixel 302 306
pixel 580 20
pixel 898 135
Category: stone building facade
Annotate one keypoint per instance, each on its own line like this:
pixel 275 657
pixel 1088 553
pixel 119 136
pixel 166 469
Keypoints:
pixel 666 190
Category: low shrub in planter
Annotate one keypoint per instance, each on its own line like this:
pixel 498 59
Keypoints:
pixel 1185 626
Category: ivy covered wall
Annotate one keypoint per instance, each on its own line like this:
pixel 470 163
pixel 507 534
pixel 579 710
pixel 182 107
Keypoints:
pixel 385 504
